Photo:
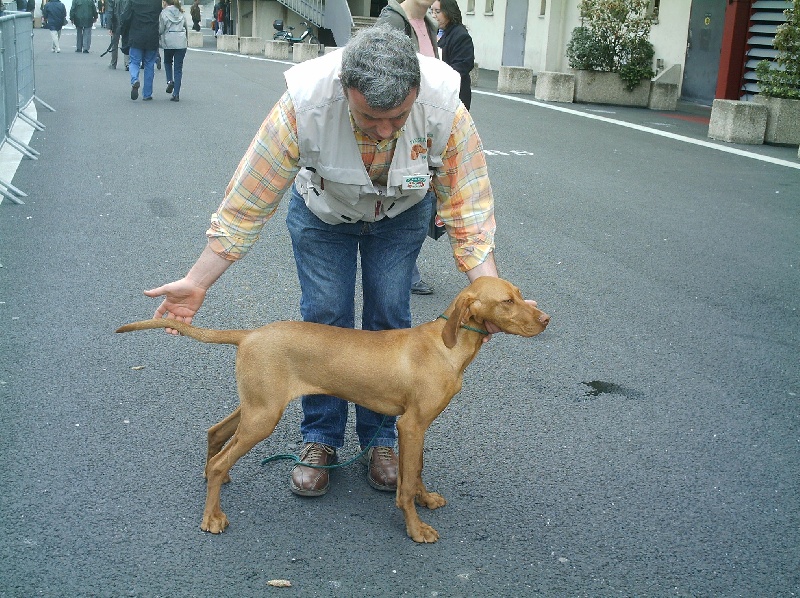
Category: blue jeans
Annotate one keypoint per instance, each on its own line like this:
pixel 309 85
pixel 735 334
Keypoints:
pixel 415 275
pixel 327 258
pixel 177 75
pixel 148 58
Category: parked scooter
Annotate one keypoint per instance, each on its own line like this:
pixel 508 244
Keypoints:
pixel 282 34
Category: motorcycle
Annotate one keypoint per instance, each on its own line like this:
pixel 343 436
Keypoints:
pixel 282 34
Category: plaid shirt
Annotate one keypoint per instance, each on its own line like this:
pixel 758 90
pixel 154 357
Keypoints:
pixel 464 193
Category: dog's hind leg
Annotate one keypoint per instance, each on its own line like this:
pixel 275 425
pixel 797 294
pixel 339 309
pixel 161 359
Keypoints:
pixel 255 425
pixel 219 434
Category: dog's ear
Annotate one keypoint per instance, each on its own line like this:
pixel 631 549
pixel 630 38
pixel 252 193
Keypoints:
pixel 461 313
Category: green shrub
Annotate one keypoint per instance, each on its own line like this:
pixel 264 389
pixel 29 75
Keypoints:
pixel 781 79
pixel 613 37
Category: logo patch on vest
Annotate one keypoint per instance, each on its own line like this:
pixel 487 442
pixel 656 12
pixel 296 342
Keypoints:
pixel 419 147
pixel 416 181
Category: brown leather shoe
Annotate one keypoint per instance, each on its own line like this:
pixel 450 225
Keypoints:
pixel 310 481
pixel 382 468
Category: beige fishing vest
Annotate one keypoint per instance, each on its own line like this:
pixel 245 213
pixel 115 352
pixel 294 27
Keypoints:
pixel 329 154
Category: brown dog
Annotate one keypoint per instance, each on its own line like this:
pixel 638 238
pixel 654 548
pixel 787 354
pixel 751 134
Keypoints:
pixel 422 370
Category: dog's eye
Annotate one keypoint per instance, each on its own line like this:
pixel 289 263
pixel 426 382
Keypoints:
pixel 508 301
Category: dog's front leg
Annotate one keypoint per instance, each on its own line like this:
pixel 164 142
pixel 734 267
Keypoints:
pixel 410 437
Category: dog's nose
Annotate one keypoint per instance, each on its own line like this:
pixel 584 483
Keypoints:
pixel 544 319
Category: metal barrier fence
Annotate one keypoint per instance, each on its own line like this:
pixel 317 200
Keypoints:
pixel 18 87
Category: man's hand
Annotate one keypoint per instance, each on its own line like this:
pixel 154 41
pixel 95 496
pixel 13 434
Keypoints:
pixel 184 297
pixel 182 300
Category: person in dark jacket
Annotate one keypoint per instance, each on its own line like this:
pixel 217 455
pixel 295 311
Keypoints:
pixel 140 22
pixel 456 44
pixel 83 14
pixel 54 14
pixel 195 12
pixel 112 20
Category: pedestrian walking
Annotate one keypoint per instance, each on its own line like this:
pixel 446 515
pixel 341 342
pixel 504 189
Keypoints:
pixel 140 22
pixel 83 14
pixel 54 16
pixel 195 12
pixel 113 9
pixel 174 35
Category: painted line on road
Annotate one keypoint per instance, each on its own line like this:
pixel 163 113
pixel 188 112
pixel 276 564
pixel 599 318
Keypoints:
pixel 622 123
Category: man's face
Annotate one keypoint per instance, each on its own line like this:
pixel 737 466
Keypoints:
pixel 378 124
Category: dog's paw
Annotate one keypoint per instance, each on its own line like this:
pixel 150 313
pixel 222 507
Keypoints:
pixel 423 533
pixel 215 523
pixel 431 500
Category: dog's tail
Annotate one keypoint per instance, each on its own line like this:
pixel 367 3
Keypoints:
pixel 204 335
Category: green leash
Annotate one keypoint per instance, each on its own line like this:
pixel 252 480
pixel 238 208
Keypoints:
pixel 297 460
pixel 465 327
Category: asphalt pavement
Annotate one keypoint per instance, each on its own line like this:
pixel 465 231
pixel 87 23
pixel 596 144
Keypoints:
pixel 647 444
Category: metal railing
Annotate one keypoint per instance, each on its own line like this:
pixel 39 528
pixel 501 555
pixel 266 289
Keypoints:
pixel 312 11
pixel 331 14
pixel 18 88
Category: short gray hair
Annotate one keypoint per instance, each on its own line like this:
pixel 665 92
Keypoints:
pixel 380 63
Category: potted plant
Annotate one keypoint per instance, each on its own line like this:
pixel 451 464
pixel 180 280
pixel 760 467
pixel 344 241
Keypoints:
pixel 613 38
pixel 779 82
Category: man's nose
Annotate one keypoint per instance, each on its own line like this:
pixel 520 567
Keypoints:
pixel 384 130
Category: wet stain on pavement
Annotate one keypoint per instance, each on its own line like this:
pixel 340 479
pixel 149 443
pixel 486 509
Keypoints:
pixel 597 388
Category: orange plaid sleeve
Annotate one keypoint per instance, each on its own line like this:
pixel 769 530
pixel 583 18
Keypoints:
pixel 264 174
pixel 464 194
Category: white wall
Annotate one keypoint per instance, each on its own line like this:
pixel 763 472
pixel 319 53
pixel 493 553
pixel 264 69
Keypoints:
pixel 486 32
pixel 547 36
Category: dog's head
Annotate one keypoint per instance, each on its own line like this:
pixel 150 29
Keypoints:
pixel 494 300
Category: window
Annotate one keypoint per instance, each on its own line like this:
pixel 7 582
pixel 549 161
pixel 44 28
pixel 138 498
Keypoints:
pixel 489 9
pixel 543 8
pixel 652 10
pixel 470 7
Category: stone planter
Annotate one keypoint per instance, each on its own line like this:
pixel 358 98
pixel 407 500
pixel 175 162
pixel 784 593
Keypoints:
pixel 515 79
pixel 251 46
pixel 303 52
pixel 737 122
pixel 195 39
pixel 783 120
pixel 554 87
pixel 276 49
pixel 594 87
pixel 228 43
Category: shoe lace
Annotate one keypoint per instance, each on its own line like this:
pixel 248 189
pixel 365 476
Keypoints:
pixel 383 452
pixel 314 453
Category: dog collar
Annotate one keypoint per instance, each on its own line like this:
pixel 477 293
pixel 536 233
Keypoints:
pixel 465 327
